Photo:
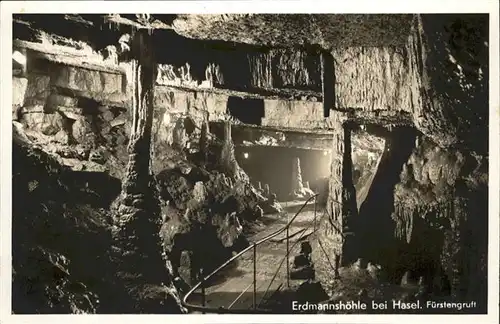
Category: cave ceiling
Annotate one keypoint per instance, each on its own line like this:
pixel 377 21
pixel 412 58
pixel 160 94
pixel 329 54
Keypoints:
pixel 271 30
pixel 281 30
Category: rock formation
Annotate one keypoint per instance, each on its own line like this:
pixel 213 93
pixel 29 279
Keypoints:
pixel 297 186
pixel 267 190
pixel 228 158
pixel 204 217
pixel 137 210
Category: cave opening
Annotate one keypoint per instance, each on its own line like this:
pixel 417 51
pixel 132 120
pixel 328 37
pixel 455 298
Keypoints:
pixel 274 166
pixel 378 158
pixel 367 147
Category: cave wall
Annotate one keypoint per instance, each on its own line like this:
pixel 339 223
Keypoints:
pixel 374 79
pixel 441 199
pixel 239 67
pixel 293 114
pixel 439 77
pixel 89 105
pixel 336 235
pixel 450 55
pixel 441 217
pixel 366 78
pixel 66 110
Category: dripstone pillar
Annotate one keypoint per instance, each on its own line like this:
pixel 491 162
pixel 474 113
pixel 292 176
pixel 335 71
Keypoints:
pixel 136 242
pixel 335 230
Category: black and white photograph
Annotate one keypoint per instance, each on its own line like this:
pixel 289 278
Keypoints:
pixel 250 163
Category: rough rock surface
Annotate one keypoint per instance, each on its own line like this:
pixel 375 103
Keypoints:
pixel 287 30
pixel 55 209
pixel 204 214
pixel 451 55
pixel 441 206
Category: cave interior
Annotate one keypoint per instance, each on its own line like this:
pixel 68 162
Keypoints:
pixel 399 174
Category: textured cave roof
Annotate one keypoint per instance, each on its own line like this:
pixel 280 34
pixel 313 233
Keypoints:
pixel 270 30
pixel 324 30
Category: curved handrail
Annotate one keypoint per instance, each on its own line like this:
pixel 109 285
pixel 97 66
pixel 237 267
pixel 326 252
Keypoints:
pixel 238 311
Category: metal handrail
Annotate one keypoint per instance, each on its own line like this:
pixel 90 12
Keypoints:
pixel 253 246
pixel 291 248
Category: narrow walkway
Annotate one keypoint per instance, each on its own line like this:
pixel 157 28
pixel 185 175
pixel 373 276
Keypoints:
pixel 239 276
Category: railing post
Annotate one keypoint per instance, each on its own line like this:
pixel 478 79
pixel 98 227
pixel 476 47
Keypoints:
pixel 287 257
pixel 202 276
pixel 254 276
pixel 314 224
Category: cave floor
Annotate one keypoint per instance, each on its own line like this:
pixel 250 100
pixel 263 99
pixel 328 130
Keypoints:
pixel 270 258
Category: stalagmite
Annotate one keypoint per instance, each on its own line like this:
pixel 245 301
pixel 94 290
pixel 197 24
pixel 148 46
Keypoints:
pixel 137 210
pixel 405 280
pixel 204 141
pixel 228 158
pixel 297 185
pixel 267 190
pixel 179 135
pixel 307 189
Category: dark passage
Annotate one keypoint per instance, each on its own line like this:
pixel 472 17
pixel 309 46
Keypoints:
pixel 375 212
pixel 248 111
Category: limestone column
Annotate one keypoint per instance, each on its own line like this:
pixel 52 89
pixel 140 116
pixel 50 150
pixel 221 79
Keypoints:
pixel 136 242
pixel 335 230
